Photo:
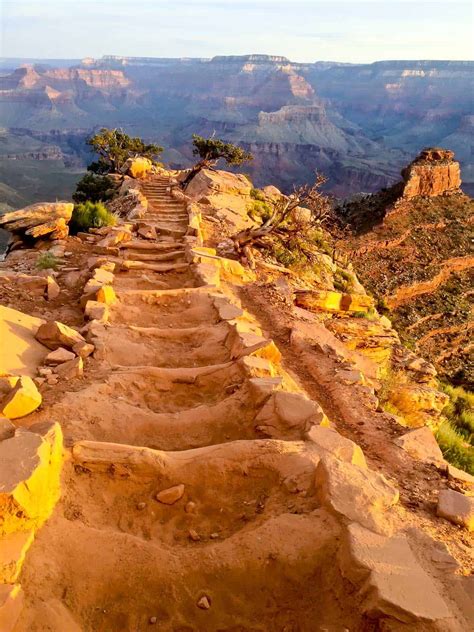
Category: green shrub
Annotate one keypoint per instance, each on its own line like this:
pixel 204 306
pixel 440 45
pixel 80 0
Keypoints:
pixel 91 215
pixel 460 410
pixel 343 281
pixel 454 448
pixel 256 194
pixel 47 261
pixel 259 210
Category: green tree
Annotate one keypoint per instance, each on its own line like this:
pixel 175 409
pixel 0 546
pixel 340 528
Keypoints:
pixel 114 148
pixel 210 151
pixel 93 187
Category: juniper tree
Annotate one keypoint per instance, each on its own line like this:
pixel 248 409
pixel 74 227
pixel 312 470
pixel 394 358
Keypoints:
pixel 210 151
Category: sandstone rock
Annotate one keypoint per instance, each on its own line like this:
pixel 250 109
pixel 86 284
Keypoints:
pixel 421 445
pixel 96 311
pixel 204 603
pixel 456 507
pixel 103 276
pixel 7 429
pixel 261 388
pixel 138 167
pixel 171 495
pixel 13 548
pixel 54 334
pixel 37 220
pixel 372 339
pixel 341 448
pixel 287 414
pixel 392 583
pixel 53 290
pixel 22 400
pixel 147 231
pixel 70 369
pixel 106 295
pixel 433 172
pixel 356 493
pixel 460 475
pixel 34 285
pixel 11 603
pixel 83 349
pixel 59 356
pixel 30 465
pixel 329 301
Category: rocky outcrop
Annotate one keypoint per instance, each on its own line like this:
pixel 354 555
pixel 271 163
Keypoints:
pixel 433 172
pixel 38 220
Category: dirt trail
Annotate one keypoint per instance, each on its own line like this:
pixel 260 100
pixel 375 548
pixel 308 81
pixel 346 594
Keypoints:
pixel 185 506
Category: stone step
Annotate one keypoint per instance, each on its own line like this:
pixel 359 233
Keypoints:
pixel 155 267
pixel 167 256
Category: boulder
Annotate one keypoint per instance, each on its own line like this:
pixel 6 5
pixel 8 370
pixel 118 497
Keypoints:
pixel 83 349
pixel 52 290
pixel 393 585
pixel 338 446
pixel 59 356
pixel 30 466
pixel 106 295
pixel 22 400
pixel 287 415
pixel 95 310
pixel 138 167
pixel 421 445
pixel 20 352
pixel 38 220
pixel 456 507
pixel 54 334
pixel 356 493
pixel 70 369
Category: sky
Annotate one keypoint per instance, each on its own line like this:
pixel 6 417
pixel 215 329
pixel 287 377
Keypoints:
pixel 302 30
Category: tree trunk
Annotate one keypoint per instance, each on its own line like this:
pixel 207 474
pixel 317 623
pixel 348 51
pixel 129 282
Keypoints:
pixel 203 164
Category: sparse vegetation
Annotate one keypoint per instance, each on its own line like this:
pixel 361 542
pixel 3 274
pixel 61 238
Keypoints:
pixel 257 194
pixel 91 215
pixel 47 261
pixel 115 147
pixel 343 281
pixel 210 151
pixel 455 435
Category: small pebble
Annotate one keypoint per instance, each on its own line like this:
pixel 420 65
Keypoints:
pixel 204 603
pixel 194 535
pixel 153 620
pixel 141 506
pixel 214 536
pixel 190 507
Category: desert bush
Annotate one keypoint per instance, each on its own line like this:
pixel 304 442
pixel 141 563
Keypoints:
pixel 259 211
pixel 343 281
pixel 91 215
pixel 257 194
pixel 47 261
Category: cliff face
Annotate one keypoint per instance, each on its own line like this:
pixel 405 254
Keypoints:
pixel 413 251
pixel 432 173
pixel 357 122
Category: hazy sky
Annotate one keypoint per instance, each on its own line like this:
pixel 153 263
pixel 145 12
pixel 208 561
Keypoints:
pixel 303 30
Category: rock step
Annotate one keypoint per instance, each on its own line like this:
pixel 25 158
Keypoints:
pixel 169 256
pixel 157 267
pixel 151 245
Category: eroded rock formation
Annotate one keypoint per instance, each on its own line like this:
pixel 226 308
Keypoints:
pixel 432 173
